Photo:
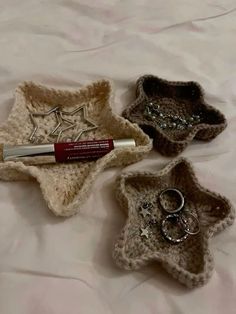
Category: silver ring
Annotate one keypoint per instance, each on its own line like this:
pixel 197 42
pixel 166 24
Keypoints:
pixel 166 235
pixel 181 200
pixel 186 227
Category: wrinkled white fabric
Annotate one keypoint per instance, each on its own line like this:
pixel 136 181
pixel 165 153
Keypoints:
pixel 51 265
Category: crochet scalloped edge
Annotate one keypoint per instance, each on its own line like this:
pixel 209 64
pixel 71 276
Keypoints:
pixel 19 171
pixel 195 131
pixel 187 278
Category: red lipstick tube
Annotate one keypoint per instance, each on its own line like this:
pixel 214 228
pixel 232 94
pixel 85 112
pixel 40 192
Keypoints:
pixel 63 152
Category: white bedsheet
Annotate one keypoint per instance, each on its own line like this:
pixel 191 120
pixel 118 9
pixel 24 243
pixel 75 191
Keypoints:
pixel 50 265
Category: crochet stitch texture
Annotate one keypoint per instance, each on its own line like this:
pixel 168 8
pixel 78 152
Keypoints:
pixel 176 98
pixel 65 187
pixel 190 262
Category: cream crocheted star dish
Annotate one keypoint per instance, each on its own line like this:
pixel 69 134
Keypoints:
pixel 65 187
pixel 190 261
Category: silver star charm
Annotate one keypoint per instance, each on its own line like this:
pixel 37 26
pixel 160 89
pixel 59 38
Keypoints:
pixel 35 124
pixel 84 110
pixel 61 121
pixel 144 232
pixel 58 130
pixel 144 212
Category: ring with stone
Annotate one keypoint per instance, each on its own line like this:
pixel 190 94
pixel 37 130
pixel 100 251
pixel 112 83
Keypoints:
pixel 165 233
pixel 186 226
pixel 180 197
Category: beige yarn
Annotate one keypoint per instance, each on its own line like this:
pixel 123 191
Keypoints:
pixel 65 187
pixel 176 98
pixel 190 262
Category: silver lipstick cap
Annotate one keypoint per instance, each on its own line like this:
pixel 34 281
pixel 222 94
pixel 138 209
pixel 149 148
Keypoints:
pixel 124 143
pixel 13 152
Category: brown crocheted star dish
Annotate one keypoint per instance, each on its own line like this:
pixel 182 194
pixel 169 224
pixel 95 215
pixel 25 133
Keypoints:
pixel 142 241
pixel 173 113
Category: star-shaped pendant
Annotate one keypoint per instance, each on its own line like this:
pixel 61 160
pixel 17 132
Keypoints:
pixel 65 187
pixel 144 212
pixel 63 124
pixel 33 115
pixel 144 233
pixel 86 119
pixel 59 129
pixel 190 261
pixel 162 109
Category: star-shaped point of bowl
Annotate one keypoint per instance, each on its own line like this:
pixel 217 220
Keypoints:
pixel 66 186
pixel 173 113
pixel 141 241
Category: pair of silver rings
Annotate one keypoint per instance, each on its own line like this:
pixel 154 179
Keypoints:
pixel 178 216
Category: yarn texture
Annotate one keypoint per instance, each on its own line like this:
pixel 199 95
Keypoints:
pixel 190 262
pixel 66 186
pixel 176 98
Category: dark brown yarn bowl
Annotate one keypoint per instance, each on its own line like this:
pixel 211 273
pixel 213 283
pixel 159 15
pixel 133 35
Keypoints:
pixel 184 98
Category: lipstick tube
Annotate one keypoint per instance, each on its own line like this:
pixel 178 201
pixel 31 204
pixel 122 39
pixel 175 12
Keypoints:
pixel 63 152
